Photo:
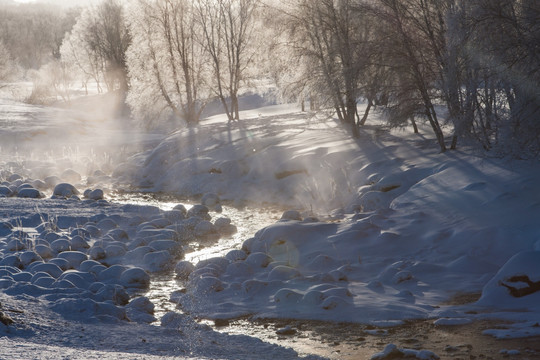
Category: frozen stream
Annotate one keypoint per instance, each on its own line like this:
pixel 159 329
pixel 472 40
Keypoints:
pixel 313 338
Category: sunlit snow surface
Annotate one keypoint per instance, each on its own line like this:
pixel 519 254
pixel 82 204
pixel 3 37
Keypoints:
pixel 402 228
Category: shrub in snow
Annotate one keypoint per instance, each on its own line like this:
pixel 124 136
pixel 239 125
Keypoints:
pixel 65 190
pixel 291 215
pixel 135 278
pixel 391 351
pixel 158 261
pixel 210 200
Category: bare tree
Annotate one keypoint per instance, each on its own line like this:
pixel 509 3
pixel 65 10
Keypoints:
pixel 228 28
pixel 167 67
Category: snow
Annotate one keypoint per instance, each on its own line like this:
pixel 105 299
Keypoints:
pixel 377 230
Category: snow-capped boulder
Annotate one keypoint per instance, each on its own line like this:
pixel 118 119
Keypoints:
pixel 135 278
pixel 291 215
pixel 199 211
pixel 60 245
pixel 111 274
pixel 224 226
pixel 65 190
pixel 49 268
pixel 173 247
pixel 236 255
pixel 30 193
pixel 96 194
pixel 205 230
pixel 78 243
pixel 391 351
pixel 44 251
pixel 158 261
pixel 183 269
pixel 74 258
pixel 516 285
pixel 5 191
pixel 140 310
pixel 29 257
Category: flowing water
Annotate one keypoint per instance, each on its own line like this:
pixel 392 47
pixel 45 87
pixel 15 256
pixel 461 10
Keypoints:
pixel 248 221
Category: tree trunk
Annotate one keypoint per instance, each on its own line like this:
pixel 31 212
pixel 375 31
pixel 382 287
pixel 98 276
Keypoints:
pixel 362 122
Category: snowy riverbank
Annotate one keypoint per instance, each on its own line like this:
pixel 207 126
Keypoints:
pixel 387 230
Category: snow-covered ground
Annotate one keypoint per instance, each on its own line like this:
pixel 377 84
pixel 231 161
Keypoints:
pixel 382 229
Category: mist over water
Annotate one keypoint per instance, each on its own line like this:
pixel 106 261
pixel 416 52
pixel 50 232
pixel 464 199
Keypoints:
pixel 85 135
